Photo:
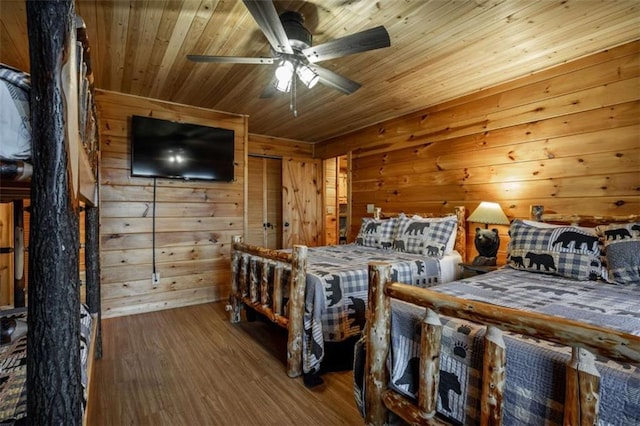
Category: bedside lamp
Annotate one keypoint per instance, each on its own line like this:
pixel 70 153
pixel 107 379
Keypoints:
pixel 487 242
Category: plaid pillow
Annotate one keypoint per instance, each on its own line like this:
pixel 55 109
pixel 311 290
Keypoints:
pixel 564 250
pixel 377 233
pixel 427 236
pixel 620 245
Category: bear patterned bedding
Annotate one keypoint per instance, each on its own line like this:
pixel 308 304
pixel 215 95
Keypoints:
pixel 534 389
pixel 13 364
pixel 590 275
pixel 337 285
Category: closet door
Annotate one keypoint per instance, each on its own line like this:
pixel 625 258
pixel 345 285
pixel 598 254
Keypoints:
pixel 302 213
pixel 264 217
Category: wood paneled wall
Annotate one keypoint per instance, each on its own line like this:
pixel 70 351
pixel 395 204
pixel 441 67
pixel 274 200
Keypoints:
pixel 270 146
pixel 194 220
pixel 566 137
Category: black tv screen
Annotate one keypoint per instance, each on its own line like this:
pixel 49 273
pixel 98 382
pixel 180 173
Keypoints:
pixel 167 149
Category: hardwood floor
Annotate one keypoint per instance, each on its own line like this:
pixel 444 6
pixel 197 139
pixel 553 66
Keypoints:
pixel 190 366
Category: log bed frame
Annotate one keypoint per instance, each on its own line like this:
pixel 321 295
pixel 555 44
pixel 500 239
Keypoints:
pixel 65 173
pixel 582 379
pixel 255 295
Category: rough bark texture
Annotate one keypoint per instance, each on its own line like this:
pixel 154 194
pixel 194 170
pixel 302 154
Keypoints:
pixel 430 339
pixel 296 310
pixel 53 364
pixel 234 298
pixel 494 367
pixel 378 341
pixel 92 265
pixel 582 393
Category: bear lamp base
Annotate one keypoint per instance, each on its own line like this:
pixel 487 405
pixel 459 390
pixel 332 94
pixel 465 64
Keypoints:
pixel 484 261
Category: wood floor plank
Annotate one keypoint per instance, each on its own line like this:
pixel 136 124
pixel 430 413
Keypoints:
pixel 190 366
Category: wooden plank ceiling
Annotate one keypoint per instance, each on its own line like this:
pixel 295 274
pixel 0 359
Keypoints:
pixel 440 50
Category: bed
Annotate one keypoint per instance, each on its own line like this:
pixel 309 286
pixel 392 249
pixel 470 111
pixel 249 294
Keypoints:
pixel 53 165
pixel 320 293
pixel 552 338
pixel 13 362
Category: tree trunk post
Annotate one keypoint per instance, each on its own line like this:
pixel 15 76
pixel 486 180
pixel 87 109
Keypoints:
pixel 296 310
pixel 430 339
pixel 53 364
pixel 235 298
pixel 378 341
pixel 92 263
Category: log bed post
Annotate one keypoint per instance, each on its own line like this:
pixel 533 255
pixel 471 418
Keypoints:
pixel 430 340
pixel 53 364
pixel 582 391
pixel 378 337
pixel 235 297
pixel 296 310
pixel 92 265
pixel 493 376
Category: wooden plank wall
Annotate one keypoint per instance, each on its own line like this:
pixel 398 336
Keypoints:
pixel 194 220
pixel 270 146
pixel 566 137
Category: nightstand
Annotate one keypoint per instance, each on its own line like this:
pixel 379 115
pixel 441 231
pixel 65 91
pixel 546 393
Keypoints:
pixel 469 270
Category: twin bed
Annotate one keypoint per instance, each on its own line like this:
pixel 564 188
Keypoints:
pixel 48 127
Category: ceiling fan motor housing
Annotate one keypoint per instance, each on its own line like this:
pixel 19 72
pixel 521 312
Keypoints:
pixel 299 37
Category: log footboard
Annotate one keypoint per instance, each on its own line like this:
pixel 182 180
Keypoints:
pixel 582 392
pixel 251 287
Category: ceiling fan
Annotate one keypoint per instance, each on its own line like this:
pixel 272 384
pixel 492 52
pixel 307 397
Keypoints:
pixel 292 50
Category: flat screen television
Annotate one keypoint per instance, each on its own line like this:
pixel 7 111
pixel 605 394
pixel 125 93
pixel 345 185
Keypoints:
pixel 168 149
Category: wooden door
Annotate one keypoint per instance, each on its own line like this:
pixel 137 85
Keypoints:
pixel 302 202
pixel 264 216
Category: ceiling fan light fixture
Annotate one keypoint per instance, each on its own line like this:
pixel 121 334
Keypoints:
pixel 308 77
pixel 284 75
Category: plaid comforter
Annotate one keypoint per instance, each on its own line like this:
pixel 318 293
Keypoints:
pixel 337 291
pixel 13 367
pixel 534 390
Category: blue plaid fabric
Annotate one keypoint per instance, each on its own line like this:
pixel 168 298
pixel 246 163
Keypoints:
pixel 377 233
pixel 18 92
pixel 425 236
pixel 620 245
pixel 534 389
pixel 565 250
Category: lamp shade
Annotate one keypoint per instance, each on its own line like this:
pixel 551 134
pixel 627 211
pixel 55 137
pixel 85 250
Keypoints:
pixel 489 213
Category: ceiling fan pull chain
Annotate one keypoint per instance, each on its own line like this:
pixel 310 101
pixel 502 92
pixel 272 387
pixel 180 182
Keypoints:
pixel 292 104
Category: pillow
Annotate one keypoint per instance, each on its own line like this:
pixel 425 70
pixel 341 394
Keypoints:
pixel 426 236
pixel 561 250
pixel 377 233
pixel 620 245
pixel 451 242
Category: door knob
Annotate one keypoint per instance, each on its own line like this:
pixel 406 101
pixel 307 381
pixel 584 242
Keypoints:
pixel 286 224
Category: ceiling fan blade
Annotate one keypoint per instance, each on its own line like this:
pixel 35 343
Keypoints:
pixel 229 59
pixel 265 14
pixel 371 39
pixel 334 80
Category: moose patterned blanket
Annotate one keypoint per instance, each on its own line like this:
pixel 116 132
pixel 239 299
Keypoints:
pixel 534 390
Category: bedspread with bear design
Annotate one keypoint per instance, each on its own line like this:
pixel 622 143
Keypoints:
pixel 534 387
